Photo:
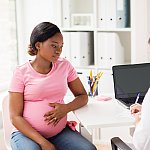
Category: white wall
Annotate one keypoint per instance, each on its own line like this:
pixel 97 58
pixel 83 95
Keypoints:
pixel 8 49
pixel 140 30
pixel 148 33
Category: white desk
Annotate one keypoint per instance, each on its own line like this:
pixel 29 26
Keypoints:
pixel 101 114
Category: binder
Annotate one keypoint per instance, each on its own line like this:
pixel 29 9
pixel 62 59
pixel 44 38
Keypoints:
pixel 82 48
pixel 106 14
pixel 102 7
pixel 110 50
pixel 111 14
pixel 102 49
pixel 123 13
pixel 66 47
pixel 66 16
pixel 115 50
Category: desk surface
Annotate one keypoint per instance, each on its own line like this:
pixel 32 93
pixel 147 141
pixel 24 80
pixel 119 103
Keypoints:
pixel 99 114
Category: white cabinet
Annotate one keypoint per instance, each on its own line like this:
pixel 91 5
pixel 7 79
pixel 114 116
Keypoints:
pixel 78 48
pixel 122 17
pixel 117 32
pixel 86 16
pixel 108 21
pixel 76 13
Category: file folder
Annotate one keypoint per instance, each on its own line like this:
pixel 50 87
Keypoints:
pixel 66 7
pixel 82 48
pixel 106 14
pixel 102 48
pixel 111 14
pixel 102 5
pixel 66 47
pixel 123 13
pixel 110 50
pixel 115 50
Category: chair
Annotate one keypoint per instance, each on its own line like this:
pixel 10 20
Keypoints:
pixel 118 144
pixel 7 126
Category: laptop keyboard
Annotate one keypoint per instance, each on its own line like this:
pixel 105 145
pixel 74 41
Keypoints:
pixel 127 101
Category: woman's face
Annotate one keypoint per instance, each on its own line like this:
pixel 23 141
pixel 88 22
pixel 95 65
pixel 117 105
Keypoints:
pixel 51 49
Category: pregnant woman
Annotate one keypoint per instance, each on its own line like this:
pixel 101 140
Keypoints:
pixel 36 94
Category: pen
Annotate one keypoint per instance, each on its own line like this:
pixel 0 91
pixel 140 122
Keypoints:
pixel 90 86
pixel 137 98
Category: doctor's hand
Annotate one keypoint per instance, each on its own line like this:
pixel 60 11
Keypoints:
pixel 135 108
pixel 136 112
pixel 55 115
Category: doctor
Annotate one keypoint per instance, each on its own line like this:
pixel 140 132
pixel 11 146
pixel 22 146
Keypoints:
pixel 141 137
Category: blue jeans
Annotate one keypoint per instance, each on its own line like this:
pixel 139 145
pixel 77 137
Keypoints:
pixel 65 140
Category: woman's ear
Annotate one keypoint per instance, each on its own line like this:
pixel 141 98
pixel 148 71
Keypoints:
pixel 37 45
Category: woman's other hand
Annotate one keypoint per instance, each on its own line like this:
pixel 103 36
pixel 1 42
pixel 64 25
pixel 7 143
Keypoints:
pixel 46 145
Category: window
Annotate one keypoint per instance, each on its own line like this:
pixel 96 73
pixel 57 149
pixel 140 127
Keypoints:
pixel 8 41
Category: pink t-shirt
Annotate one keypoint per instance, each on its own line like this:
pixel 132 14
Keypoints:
pixel 41 89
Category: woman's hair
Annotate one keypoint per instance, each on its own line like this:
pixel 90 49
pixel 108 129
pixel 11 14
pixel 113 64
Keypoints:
pixel 41 33
pixel 149 41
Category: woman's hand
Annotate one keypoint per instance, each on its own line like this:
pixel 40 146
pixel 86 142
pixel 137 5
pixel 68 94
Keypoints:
pixel 46 145
pixel 135 108
pixel 54 116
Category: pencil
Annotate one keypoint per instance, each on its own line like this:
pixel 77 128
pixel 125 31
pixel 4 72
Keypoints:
pixel 91 76
pixel 95 84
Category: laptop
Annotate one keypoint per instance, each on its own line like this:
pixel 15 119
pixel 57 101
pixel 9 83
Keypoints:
pixel 129 81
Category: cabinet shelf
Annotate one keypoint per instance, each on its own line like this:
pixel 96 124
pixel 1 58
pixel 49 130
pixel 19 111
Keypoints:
pixel 110 35
pixel 81 28
pixel 87 67
pixel 115 30
pixel 115 40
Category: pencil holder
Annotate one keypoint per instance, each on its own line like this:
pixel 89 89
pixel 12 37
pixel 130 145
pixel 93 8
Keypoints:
pixel 92 88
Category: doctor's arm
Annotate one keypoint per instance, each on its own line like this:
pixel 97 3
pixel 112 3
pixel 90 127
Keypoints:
pixel 141 137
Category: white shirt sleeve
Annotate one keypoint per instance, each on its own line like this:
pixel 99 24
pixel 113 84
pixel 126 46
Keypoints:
pixel 141 137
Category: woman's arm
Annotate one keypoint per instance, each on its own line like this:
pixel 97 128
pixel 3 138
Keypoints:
pixel 16 116
pixel 81 97
pixel 60 110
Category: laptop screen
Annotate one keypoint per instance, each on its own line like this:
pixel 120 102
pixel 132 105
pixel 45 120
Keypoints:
pixel 129 80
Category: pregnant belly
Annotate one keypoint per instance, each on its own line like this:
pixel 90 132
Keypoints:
pixel 34 114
